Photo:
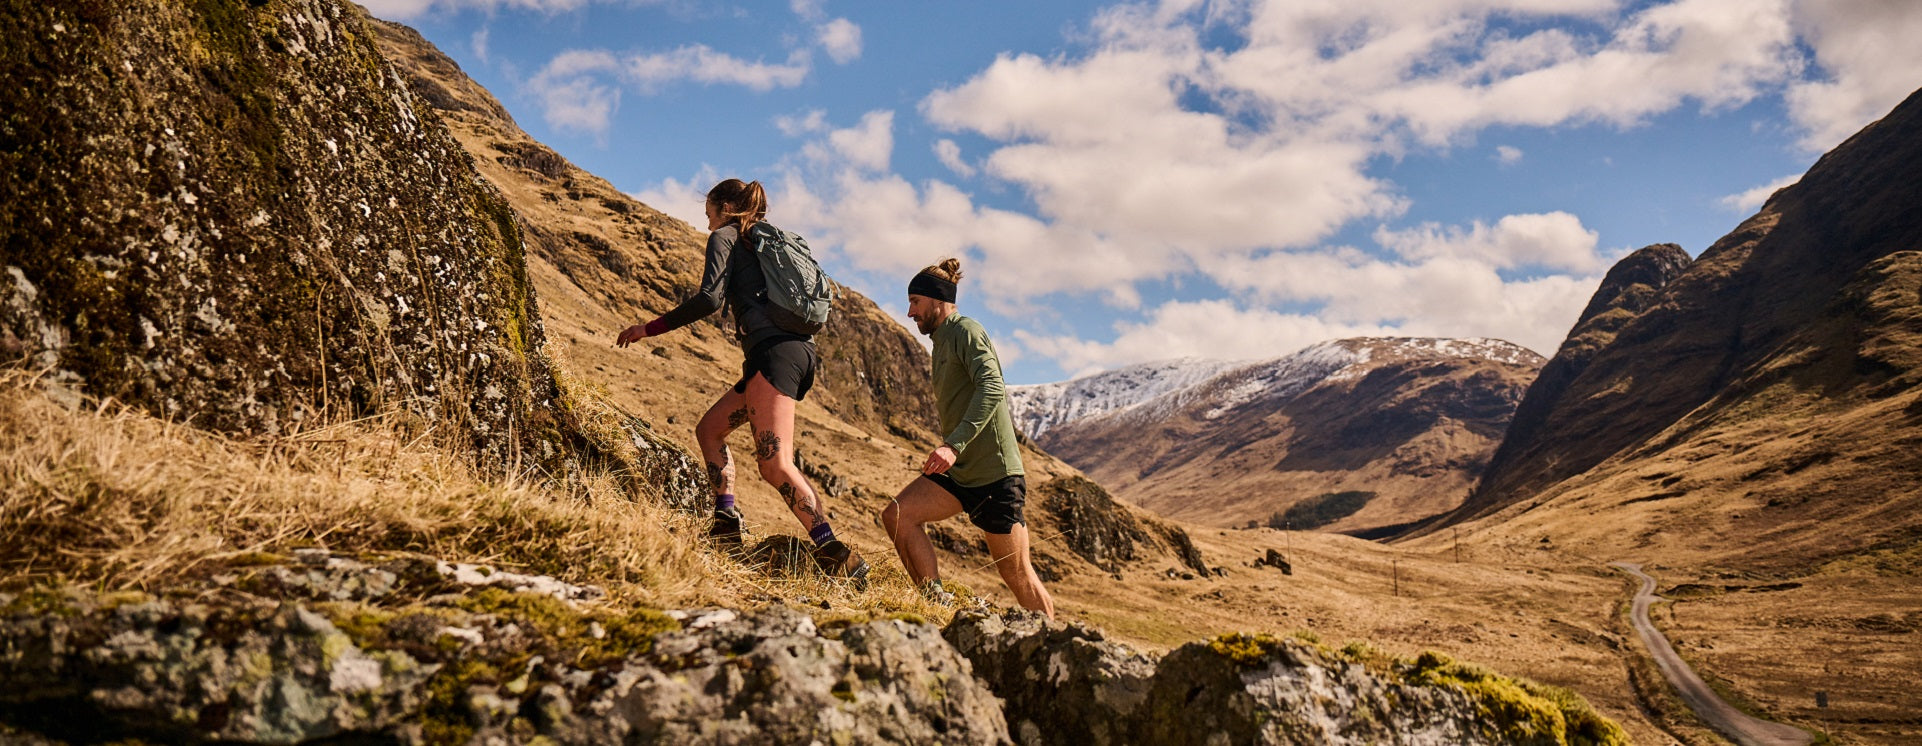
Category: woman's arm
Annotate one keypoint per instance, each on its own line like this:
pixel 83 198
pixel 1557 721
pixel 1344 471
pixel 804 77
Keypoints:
pixel 704 301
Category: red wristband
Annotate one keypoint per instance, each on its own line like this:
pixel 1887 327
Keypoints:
pixel 656 328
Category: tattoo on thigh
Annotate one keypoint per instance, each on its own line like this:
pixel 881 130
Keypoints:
pixel 804 507
pixel 736 418
pixel 769 446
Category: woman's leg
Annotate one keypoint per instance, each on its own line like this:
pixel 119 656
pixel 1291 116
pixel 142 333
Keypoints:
pixel 728 413
pixel 772 414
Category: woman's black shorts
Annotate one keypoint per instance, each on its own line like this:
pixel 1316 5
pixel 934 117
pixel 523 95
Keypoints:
pixel 995 506
pixel 787 362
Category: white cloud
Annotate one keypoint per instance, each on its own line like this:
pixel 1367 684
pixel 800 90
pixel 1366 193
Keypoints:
pixel 572 96
pixel 578 89
pixel 815 120
pixel 404 10
pixel 702 64
pixel 1751 200
pixel 684 200
pixel 1508 155
pixel 479 43
pixel 841 39
pixel 867 145
pixel 1552 241
pixel 1214 329
pixel 950 155
pixel 1872 60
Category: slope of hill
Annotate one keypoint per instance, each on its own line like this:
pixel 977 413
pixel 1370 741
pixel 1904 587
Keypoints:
pixel 1753 430
pixel 1402 424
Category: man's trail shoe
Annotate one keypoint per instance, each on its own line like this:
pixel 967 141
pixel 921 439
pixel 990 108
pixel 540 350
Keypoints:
pixel 725 531
pixel 934 593
pixel 839 560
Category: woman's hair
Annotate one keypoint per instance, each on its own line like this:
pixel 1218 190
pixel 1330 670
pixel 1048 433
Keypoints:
pixel 949 269
pixel 740 203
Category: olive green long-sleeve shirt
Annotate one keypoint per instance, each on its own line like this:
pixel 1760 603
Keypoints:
pixel 973 404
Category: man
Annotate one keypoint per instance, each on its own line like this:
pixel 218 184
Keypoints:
pixel 977 468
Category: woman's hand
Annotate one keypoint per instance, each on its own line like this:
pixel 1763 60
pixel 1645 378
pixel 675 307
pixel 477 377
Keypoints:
pixel 940 460
pixel 631 335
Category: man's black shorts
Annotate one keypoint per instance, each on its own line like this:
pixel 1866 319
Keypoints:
pixel 995 506
pixel 786 362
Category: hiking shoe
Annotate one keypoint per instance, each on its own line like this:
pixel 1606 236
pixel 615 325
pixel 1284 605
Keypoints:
pixel 725 531
pixel 934 593
pixel 839 560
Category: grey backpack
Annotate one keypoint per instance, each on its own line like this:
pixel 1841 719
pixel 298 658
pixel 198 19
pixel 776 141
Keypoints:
pixel 799 294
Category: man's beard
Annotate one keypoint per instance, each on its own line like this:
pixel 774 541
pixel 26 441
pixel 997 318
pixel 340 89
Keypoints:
pixel 927 325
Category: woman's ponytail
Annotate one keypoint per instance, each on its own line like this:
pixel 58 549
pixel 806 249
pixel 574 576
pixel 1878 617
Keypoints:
pixel 740 203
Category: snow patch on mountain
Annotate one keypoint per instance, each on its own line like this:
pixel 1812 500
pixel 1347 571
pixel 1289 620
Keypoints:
pixel 1152 390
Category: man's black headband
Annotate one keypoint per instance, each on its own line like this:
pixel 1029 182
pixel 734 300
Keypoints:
pixel 932 287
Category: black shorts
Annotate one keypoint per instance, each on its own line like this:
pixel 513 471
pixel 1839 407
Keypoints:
pixel 995 506
pixel 787 362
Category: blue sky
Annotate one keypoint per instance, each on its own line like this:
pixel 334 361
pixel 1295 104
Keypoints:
pixel 1128 182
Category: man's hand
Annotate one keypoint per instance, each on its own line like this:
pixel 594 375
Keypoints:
pixel 631 335
pixel 940 460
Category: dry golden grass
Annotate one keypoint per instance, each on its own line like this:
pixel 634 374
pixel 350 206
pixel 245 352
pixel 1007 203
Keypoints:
pixel 104 495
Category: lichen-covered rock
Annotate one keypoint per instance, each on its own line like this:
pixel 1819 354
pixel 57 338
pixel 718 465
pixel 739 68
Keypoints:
pixel 469 664
pixel 1064 684
pixel 774 677
pixel 237 214
pixel 248 673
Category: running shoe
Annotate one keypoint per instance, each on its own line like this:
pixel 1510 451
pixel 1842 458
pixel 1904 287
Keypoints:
pixel 934 593
pixel 839 560
pixel 725 531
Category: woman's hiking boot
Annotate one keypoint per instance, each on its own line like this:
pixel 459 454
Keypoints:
pixel 839 560
pixel 725 531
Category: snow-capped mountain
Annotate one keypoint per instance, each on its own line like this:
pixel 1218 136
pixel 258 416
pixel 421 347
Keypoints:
pixel 1408 421
pixel 1039 407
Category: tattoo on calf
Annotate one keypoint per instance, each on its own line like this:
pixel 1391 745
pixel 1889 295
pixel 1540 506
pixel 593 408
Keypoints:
pixel 716 475
pixel 806 507
pixel 769 446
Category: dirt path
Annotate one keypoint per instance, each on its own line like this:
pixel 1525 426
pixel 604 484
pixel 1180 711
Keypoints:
pixel 1738 726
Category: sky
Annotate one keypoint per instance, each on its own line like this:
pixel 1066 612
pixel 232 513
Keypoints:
pixel 1130 182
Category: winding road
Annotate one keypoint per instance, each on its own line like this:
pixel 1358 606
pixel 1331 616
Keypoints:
pixel 1732 723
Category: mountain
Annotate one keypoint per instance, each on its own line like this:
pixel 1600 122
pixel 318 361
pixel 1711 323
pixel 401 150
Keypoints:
pixel 1397 427
pixel 1040 407
pixel 1762 406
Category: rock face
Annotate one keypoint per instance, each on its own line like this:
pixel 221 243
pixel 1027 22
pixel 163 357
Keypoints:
pixel 1065 684
pixel 1729 388
pixel 472 666
pixel 1631 287
pixel 238 215
pixel 1410 421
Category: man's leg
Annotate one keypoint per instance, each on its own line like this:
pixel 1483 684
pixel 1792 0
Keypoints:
pixel 1010 552
pixel 920 502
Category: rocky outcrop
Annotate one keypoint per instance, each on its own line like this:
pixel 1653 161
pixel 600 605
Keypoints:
pixel 238 215
pixel 1065 684
pixel 473 662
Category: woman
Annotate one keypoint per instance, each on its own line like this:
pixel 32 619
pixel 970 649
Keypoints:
pixel 777 371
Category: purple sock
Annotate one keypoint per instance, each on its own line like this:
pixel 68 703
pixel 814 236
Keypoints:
pixel 822 533
pixel 723 502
